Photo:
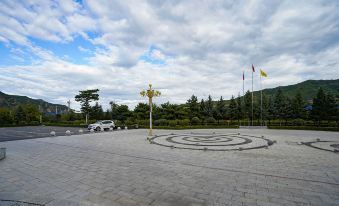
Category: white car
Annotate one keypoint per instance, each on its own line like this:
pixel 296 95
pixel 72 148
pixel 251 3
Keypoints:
pixel 103 124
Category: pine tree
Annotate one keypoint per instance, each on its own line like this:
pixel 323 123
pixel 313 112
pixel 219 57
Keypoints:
pixel 194 108
pixel 20 114
pixel 239 108
pixel 232 109
pixel 298 107
pixel 279 105
pixel 203 113
pixel 248 105
pixel 220 110
pixel 319 110
pixel 270 110
pixel 331 108
pixel 209 106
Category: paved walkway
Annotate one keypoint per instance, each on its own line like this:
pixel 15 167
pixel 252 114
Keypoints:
pixel 122 168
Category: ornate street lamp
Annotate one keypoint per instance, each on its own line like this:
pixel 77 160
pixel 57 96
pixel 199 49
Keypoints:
pixel 150 93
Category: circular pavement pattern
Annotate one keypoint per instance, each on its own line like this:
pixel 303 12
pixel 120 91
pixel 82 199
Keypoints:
pixel 331 146
pixel 17 203
pixel 212 141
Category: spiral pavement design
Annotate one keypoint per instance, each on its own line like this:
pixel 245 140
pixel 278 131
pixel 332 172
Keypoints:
pixel 331 146
pixel 212 141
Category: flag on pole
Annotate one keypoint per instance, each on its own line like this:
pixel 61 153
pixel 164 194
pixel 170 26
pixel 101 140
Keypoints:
pixel 262 73
pixel 253 70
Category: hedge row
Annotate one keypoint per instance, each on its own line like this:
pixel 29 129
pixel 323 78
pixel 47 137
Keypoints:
pixel 305 128
pixel 178 127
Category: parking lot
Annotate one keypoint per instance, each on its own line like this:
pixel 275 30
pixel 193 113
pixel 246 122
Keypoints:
pixel 31 132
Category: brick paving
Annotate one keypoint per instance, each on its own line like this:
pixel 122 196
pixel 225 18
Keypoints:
pixel 122 168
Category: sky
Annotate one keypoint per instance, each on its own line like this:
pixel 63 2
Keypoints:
pixel 53 49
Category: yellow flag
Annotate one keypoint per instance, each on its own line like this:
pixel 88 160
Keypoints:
pixel 262 73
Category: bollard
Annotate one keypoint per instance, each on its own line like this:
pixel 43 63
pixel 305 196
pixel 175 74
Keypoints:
pixel 2 153
pixel 126 127
pixel 102 129
pixel 81 131
pixel 52 133
pixel 119 128
pixel 91 130
pixel 68 132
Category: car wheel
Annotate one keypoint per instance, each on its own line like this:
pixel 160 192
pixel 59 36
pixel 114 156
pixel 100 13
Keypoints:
pixel 98 129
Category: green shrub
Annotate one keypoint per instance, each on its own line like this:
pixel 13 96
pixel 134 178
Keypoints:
pixel 22 122
pixel 332 124
pixel 143 123
pixel 298 122
pixel 34 123
pixel 195 120
pixel 172 123
pixel 161 122
pixel 210 120
pixel 305 128
pixel 184 122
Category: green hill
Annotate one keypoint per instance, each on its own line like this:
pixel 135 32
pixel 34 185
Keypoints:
pixel 12 101
pixel 308 89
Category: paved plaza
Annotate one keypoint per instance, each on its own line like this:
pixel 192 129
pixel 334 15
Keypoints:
pixel 31 132
pixel 179 168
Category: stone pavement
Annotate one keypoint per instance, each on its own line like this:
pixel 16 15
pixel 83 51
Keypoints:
pixel 122 168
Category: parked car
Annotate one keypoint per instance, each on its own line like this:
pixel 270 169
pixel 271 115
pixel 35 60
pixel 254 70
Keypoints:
pixel 102 124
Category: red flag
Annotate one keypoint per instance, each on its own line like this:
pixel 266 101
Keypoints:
pixel 253 70
pixel 243 75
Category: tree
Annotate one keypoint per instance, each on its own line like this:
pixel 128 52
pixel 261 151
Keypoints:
pixel 248 105
pixel 31 112
pixel 20 114
pixel 279 105
pixel 85 98
pixel 97 112
pixel 203 113
pixel 331 107
pixel 239 108
pixel 6 116
pixel 298 105
pixel 123 113
pixel 265 108
pixel 220 111
pixel 141 111
pixel 319 110
pixel 270 110
pixel 232 109
pixel 193 106
pixel 209 106
pixel 114 111
pixel 288 114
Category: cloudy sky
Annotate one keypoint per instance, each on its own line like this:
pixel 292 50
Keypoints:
pixel 53 49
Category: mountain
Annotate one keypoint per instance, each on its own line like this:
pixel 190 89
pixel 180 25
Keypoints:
pixel 308 89
pixel 12 101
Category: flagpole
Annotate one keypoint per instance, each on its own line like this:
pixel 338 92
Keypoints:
pixel 243 85
pixel 261 100
pixel 252 96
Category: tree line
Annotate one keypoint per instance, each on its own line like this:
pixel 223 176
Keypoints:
pixel 276 109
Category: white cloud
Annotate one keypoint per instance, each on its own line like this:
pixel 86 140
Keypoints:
pixel 209 46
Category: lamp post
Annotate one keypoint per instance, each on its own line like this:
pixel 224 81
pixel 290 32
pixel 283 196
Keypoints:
pixel 150 93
